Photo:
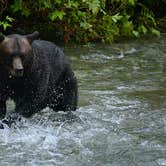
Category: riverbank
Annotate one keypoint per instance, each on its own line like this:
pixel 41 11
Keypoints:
pixel 82 21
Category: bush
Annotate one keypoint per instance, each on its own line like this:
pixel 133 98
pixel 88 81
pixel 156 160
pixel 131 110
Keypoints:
pixel 79 20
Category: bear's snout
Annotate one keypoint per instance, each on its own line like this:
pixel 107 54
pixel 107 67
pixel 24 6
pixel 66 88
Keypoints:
pixel 19 72
pixel 18 69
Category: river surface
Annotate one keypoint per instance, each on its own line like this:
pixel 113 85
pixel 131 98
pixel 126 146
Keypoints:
pixel 121 117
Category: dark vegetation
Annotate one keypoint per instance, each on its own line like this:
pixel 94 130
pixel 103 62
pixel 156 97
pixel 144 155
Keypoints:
pixel 83 20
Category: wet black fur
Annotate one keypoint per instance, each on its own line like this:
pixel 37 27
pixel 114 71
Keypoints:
pixel 48 81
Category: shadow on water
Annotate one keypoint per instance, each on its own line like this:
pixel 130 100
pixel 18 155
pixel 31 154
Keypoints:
pixel 121 119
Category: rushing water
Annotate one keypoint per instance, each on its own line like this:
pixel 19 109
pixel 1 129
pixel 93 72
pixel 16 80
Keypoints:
pixel 121 118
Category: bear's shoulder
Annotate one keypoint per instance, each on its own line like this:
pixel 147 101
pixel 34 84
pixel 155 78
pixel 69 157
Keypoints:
pixel 43 44
pixel 47 48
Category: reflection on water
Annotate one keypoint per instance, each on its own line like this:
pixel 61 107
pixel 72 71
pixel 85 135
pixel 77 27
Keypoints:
pixel 121 115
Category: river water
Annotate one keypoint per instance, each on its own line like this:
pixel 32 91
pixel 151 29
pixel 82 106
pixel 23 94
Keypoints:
pixel 121 117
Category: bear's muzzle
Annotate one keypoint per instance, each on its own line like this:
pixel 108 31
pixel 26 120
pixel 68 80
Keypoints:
pixel 18 69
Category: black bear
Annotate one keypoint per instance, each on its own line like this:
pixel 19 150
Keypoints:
pixel 35 74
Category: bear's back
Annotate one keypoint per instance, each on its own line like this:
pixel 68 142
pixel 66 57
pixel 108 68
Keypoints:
pixel 48 50
pixel 51 56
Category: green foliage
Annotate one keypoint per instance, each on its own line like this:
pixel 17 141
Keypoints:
pixel 146 22
pixel 84 20
pixel 57 14
pixel 6 22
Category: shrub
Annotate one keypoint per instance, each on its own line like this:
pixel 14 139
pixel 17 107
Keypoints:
pixel 80 20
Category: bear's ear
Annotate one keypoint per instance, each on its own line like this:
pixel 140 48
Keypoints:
pixel 33 36
pixel 2 37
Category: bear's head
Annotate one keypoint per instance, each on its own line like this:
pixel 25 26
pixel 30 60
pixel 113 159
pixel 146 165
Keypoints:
pixel 16 52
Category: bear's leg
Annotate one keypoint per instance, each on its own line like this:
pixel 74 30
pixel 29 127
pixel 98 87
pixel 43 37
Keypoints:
pixel 22 110
pixel 2 113
pixel 69 102
pixel 65 98
pixel 27 109
pixel 2 109
pixel 4 120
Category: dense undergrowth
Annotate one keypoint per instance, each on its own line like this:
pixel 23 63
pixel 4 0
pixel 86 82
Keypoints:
pixel 81 20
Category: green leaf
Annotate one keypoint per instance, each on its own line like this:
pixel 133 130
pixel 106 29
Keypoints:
pixel 85 25
pixel 142 29
pixel 127 28
pixel 136 33
pixel 94 5
pixel 17 6
pixel 71 4
pixel 132 2
pixel 57 14
pixel 26 12
pixel 58 1
pixel 5 25
pixel 10 19
pixel 116 17
pixel 81 14
pixel 155 32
